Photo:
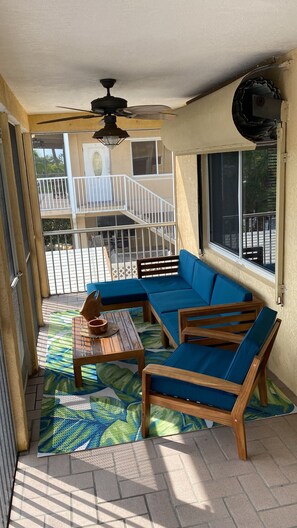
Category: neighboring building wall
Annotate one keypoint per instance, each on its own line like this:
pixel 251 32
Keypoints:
pixel 120 161
pixel 283 360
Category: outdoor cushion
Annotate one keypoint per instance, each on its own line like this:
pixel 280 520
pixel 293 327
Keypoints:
pixel 203 280
pixel 186 265
pixel 202 359
pixel 172 301
pixel 251 345
pixel 226 291
pixel 119 291
pixel 170 321
pixel 167 283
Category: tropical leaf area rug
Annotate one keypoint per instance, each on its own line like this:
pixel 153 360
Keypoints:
pixel 107 409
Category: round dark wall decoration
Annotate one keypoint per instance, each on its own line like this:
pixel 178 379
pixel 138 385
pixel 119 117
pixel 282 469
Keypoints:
pixel 257 129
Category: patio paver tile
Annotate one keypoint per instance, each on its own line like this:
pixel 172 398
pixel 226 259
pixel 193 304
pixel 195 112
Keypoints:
pixel 258 493
pixel 243 512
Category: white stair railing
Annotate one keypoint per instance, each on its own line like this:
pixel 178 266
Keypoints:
pixel 119 192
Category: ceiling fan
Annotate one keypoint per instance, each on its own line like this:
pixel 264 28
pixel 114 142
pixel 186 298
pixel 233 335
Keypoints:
pixel 110 107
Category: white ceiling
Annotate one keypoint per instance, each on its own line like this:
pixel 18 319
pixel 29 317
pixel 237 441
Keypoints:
pixel 160 51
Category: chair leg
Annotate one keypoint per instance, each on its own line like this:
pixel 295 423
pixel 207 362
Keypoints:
pixel 146 407
pixel 164 338
pixel 146 312
pixel 239 430
pixel 152 318
pixel 262 386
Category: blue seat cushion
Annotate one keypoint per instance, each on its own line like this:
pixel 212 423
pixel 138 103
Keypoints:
pixel 175 300
pixel 226 291
pixel 186 265
pixel 119 291
pixel 251 345
pixel 203 280
pixel 200 359
pixel 167 283
pixel 170 320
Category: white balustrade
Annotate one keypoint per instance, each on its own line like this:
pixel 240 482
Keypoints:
pixel 110 193
pixel 102 254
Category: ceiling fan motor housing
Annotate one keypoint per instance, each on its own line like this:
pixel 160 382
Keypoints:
pixel 109 104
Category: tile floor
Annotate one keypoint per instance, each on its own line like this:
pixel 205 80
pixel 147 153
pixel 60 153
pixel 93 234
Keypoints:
pixel 191 480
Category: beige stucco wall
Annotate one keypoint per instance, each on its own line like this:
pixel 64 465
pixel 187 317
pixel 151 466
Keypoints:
pixel 283 361
pixel 186 202
pixel 120 161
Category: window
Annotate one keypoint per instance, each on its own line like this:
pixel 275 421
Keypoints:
pixel 150 157
pixel 242 204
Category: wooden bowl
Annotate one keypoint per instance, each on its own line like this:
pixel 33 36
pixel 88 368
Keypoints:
pixel 97 326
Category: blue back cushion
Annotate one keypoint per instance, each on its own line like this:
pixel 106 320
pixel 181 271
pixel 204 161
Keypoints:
pixel 119 291
pixel 186 265
pixel 226 291
pixel 250 346
pixel 203 280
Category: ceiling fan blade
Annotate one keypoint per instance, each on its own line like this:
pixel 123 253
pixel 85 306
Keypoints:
pixel 161 116
pixel 151 112
pixel 123 112
pixel 149 109
pixel 66 119
pixel 99 111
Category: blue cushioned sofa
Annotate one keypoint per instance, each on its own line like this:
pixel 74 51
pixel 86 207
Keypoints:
pixel 168 287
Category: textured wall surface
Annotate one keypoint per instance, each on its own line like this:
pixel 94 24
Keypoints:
pixel 283 360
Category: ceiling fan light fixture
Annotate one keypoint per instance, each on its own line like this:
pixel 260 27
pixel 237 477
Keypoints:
pixel 110 135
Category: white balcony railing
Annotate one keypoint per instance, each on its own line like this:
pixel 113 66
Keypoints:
pixel 76 257
pixel 258 237
pixel 53 193
pixel 104 194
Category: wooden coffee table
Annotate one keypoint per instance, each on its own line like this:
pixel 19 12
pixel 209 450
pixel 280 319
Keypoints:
pixel 124 344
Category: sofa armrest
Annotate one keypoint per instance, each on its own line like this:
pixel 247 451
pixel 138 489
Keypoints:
pixel 149 267
pixel 191 377
pixel 224 322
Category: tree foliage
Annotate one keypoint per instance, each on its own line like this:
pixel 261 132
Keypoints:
pixel 259 180
pixel 56 224
pixel 47 164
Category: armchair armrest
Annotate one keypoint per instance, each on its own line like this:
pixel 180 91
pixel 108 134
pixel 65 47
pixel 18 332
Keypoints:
pixel 191 377
pixel 150 266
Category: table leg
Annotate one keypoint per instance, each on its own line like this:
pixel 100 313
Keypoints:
pixel 77 375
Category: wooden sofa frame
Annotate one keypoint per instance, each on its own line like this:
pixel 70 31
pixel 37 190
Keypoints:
pixel 168 265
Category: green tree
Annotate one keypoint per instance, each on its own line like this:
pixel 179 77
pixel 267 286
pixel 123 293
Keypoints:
pixel 259 180
pixel 56 224
pixel 48 164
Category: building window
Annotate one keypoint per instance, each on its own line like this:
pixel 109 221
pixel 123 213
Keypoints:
pixel 150 158
pixel 242 204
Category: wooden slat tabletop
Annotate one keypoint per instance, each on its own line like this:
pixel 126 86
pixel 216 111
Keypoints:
pixel 126 339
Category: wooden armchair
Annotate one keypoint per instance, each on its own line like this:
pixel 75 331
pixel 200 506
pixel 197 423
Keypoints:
pixel 214 375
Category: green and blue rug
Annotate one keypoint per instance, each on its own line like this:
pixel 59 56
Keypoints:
pixel 107 409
